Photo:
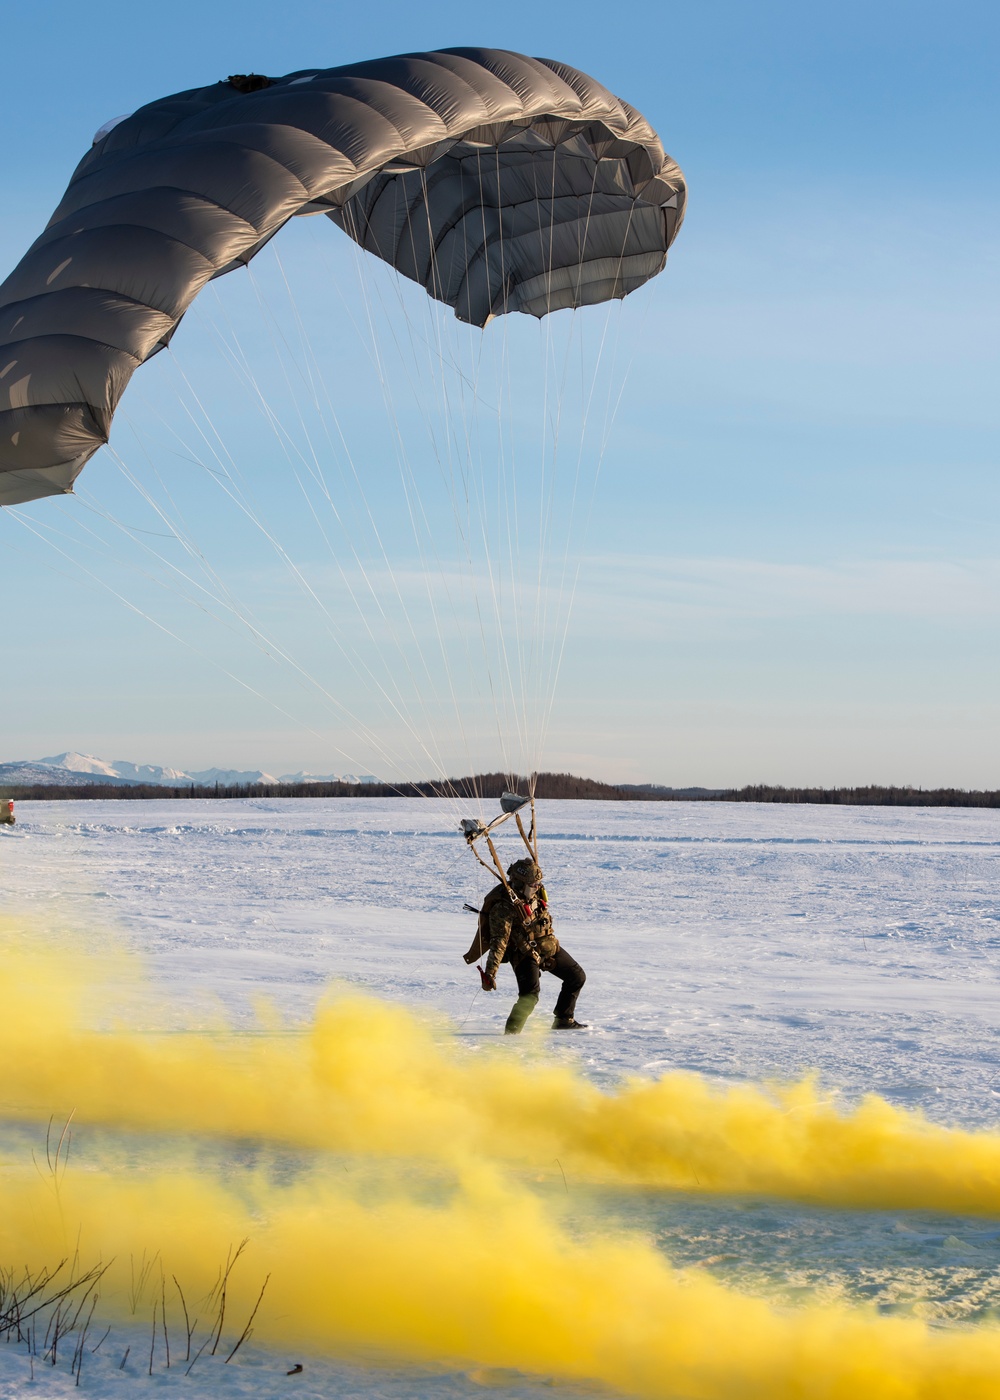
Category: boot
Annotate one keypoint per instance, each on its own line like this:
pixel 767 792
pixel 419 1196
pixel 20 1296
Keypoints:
pixel 520 1012
pixel 568 1023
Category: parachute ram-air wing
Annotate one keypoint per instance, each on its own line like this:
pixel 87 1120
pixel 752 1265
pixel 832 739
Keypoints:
pixel 499 182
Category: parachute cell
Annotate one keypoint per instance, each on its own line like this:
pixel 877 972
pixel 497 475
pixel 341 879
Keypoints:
pixel 499 182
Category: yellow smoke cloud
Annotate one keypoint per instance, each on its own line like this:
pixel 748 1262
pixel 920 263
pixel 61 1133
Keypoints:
pixel 369 1077
pixel 488 1278
pixel 483 1273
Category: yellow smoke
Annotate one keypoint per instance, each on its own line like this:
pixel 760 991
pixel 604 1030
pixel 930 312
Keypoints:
pixel 485 1273
pixel 368 1077
pixel 488 1278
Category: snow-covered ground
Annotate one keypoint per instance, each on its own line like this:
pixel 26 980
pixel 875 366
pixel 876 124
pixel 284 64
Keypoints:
pixel 748 941
pixel 742 942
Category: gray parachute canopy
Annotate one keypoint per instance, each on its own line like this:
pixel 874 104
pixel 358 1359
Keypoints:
pixel 498 182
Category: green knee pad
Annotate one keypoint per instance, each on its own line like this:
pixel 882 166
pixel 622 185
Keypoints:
pixel 520 1012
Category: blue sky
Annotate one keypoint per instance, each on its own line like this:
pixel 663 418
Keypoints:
pixel 791 571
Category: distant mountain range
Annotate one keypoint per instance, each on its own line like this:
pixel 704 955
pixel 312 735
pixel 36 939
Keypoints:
pixel 76 769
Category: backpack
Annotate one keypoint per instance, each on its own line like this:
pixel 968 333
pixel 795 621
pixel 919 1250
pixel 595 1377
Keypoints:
pixel 481 942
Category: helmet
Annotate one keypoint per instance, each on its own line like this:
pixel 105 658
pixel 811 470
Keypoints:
pixel 524 872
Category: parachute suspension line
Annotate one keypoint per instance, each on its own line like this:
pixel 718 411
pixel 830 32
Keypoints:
pixel 476 494
pixel 310 354
pixel 360 668
pixel 243 615
pixel 413 499
pixel 182 535
pixel 235 492
pixel 459 498
pixel 563 609
pixel 490 510
pixel 505 509
pixel 239 498
pixel 465 382
pixel 609 413
pixel 468 475
pixel 223 595
pixel 438 359
pixel 171 533
pixel 463 471
pixel 551 604
pixel 179 529
pixel 538 625
pixel 563 612
pixel 500 680
pixel 561 617
pixel 408 477
pixel 259 640
pixel 539 662
pixel 489 515
pixel 552 389
pixel 496 660
pixel 400 705
pixel 514 498
pixel 104 551
pixel 147 617
pixel 545 347
pixel 610 416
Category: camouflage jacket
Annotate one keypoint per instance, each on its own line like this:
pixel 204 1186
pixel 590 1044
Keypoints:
pixel 520 931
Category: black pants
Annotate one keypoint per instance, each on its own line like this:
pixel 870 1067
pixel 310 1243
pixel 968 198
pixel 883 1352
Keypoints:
pixel 567 969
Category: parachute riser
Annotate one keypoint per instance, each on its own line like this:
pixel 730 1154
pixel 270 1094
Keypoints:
pixel 496 868
pixel 530 838
pixel 474 831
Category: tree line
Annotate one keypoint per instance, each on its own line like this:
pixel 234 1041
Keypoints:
pixel 489 786
pixel 871 796
pixel 481 785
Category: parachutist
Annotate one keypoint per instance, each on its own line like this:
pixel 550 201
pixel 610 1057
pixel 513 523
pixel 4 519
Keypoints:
pixel 518 930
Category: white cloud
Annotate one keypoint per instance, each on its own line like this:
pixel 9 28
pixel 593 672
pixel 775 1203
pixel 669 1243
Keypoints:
pixel 678 590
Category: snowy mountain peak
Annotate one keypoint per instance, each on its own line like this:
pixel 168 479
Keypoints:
pixel 77 763
pixel 118 769
pixel 73 769
pixel 226 777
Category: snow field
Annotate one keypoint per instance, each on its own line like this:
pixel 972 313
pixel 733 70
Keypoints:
pixel 742 943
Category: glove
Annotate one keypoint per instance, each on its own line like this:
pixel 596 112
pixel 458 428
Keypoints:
pixel 489 983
